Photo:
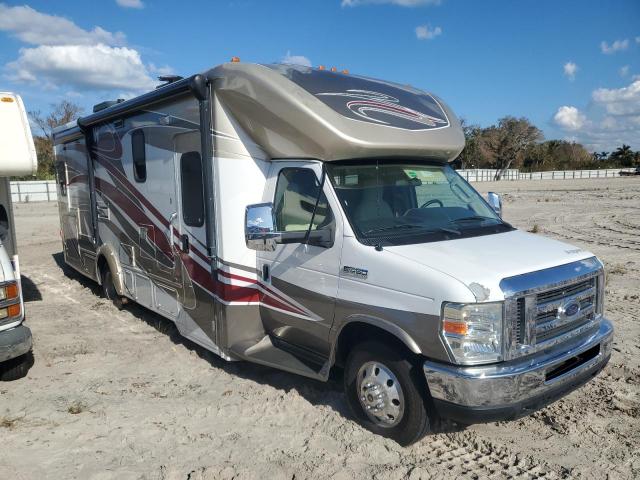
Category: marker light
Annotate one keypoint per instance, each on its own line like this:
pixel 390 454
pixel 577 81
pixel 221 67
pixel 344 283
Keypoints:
pixel 334 69
pixel 321 67
pixel 345 71
pixel 9 291
pixel 235 59
pixel 7 99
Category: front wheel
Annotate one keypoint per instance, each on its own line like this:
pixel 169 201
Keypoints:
pixel 109 289
pixel 387 393
pixel 16 368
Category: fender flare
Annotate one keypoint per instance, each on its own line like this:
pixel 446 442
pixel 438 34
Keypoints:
pixel 106 251
pixel 378 322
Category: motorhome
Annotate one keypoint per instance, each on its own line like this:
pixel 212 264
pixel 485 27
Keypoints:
pixel 17 157
pixel 307 219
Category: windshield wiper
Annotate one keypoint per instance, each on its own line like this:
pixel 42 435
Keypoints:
pixel 473 218
pixel 408 226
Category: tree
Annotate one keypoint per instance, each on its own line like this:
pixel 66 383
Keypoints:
pixel 623 155
pixel 60 114
pixel 470 157
pixel 505 144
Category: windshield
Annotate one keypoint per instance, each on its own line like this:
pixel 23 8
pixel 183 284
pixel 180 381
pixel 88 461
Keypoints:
pixel 395 203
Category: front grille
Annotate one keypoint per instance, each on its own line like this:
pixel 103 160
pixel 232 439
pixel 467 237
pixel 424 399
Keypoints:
pixel 551 321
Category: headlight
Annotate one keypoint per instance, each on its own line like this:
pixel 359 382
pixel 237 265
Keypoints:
pixel 473 331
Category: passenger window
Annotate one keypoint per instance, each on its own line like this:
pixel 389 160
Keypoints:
pixel 192 189
pixel 139 156
pixel 296 193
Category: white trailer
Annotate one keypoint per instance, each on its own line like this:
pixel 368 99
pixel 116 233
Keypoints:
pixel 17 157
pixel 302 219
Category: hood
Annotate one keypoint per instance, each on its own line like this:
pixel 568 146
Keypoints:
pixel 482 262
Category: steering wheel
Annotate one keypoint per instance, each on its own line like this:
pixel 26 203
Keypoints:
pixel 431 202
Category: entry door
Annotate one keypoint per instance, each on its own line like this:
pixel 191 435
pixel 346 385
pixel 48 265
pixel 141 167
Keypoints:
pixel 298 301
pixel 190 241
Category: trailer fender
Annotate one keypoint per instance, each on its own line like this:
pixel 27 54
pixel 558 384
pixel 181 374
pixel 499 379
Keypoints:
pixel 106 253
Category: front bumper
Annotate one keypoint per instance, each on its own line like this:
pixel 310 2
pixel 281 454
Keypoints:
pixel 504 391
pixel 15 342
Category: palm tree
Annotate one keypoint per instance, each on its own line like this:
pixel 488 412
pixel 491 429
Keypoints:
pixel 624 155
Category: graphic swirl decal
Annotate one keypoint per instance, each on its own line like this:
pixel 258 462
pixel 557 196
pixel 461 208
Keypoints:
pixel 378 107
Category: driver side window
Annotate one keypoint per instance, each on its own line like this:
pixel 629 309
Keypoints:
pixel 297 190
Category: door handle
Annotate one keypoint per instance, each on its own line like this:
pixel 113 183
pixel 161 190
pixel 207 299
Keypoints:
pixel 172 217
pixel 184 243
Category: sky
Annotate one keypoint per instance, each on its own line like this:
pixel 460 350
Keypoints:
pixel 572 67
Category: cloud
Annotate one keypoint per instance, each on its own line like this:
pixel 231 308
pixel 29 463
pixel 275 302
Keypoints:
pixel 624 71
pixel 570 70
pixel 401 3
pixel 296 60
pixel 619 101
pixel 130 3
pixel 68 56
pixel 569 118
pixel 611 119
pixel 424 32
pixel 37 28
pixel 616 46
pixel 82 67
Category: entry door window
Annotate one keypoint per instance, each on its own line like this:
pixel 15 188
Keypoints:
pixel 295 200
pixel 192 189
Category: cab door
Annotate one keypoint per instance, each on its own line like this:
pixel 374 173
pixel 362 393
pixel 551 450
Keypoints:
pixel 301 279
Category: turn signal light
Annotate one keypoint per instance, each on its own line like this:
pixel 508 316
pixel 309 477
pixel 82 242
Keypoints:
pixel 455 328
pixel 13 310
pixel 11 291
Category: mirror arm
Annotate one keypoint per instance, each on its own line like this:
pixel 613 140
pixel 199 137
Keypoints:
pixel 315 207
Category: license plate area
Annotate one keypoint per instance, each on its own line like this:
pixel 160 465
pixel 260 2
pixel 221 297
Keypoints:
pixel 572 363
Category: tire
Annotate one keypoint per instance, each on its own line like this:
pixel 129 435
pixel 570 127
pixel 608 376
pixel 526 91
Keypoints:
pixel 109 289
pixel 16 368
pixel 405 416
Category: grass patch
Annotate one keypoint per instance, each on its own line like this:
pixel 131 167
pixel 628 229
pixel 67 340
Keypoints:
pixel 76 407
pixel 617 269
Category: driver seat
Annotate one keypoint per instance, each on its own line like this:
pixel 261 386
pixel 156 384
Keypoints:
pixel 372 206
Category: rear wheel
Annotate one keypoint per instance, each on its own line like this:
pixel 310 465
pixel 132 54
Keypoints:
pixel 387 393
pixel 109 289
pixel 16 368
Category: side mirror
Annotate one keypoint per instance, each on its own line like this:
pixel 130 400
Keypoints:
pixel 260 233
pixel 259 230
pixel 495 201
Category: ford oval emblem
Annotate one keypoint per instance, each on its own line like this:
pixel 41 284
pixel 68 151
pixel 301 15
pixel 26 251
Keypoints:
pixel 572 309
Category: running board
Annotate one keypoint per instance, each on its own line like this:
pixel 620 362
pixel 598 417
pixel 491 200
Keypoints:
pixel 266 353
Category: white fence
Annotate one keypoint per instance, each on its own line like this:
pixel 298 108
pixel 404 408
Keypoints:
pixel 45 190
pixel 34 191
pixel 487 175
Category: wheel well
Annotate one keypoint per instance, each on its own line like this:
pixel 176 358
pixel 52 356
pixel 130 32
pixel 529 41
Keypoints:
pixel 102 264
pixel 356 332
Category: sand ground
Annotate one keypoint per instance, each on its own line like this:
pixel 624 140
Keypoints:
pixel 120 395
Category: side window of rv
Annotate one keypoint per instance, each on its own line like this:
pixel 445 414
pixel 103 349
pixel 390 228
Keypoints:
pixel 295 199
pixel 139 154
pixel 192 189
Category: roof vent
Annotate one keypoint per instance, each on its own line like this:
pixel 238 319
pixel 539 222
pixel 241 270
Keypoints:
pixel 107 104
pixel 168 79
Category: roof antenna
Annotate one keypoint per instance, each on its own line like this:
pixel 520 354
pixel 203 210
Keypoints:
pixel 168 79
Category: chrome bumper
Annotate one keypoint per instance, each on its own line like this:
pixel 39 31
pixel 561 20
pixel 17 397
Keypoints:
pixel 473 394
pixel 14 342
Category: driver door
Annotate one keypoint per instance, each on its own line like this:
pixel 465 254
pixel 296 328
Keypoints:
pixel 298 301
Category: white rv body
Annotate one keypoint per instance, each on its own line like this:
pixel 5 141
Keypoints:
pixel 17 157
pixel 160 200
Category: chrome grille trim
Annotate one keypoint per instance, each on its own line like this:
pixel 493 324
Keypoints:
pixel 532 300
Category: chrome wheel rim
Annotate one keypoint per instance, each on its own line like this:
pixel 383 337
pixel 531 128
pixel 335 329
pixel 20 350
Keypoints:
pixel 380 394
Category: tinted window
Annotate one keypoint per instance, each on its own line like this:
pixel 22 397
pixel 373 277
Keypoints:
pixel 139 156
pixel 296 194
pixel 192 189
